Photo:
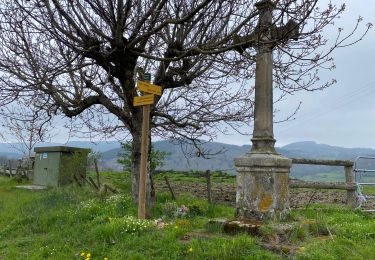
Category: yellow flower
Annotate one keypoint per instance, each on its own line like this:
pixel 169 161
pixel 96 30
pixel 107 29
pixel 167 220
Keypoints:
pixel 190 249
pixel 105 258
pixel 87 258
pixel 175 226
pixel 88 255
pixel 82 254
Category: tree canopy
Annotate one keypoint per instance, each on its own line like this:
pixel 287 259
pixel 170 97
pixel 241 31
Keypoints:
pixel 82 57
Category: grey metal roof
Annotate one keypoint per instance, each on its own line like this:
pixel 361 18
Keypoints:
pixel 67 149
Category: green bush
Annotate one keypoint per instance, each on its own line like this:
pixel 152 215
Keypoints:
pixel 197 207
pixel 156 158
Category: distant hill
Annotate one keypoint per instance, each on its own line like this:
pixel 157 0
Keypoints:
pixel 5 157
pixel 101 146
pixel 177 160
pixel 312 150
pixel 184 158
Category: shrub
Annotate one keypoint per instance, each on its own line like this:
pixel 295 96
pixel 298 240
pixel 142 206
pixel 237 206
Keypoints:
pixel 156 157
pixel 197 207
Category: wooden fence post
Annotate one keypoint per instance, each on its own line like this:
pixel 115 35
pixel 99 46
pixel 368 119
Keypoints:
pixel 208 177
pixel 169 187
pixel 351 196
pixel 10 168
pixel 97 172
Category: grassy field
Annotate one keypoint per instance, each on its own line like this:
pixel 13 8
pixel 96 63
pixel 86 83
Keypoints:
pixel 78 223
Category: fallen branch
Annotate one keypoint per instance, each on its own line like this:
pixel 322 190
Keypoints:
pixel 93 183
pixel 77 181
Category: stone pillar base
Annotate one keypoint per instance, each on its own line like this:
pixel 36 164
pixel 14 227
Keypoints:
pixel 262 186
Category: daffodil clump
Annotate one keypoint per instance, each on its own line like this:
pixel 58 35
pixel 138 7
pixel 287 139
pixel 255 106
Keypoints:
pixel 87 256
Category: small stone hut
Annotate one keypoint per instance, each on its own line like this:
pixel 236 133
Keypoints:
pixel 56 166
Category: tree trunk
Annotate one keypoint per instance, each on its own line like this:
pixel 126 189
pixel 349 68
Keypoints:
pixel 135 170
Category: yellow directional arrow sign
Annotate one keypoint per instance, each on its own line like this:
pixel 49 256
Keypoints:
pixel 149 88
pixel 143 100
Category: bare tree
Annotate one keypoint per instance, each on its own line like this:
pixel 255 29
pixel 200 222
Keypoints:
pixel 24 126
pixel 82 58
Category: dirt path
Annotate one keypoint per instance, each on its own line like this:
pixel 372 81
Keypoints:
pixel 226 193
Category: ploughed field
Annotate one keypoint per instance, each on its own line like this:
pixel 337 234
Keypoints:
pixel 223 190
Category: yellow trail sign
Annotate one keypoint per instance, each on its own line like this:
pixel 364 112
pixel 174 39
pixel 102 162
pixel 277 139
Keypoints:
pixel 143 100
pixel 149 88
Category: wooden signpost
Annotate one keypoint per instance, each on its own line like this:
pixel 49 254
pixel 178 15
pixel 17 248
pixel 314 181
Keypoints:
pixel 145 101
pixel 149 88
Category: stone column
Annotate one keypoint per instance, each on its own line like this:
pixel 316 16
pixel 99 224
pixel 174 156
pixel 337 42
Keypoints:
pixel 262 174
pixel 263 139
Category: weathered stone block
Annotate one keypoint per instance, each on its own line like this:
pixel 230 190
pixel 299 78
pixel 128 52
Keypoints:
pixel 262 186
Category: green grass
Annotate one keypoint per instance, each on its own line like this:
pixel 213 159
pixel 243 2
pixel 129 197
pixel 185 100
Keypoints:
pixel 353 234
pixel 62 223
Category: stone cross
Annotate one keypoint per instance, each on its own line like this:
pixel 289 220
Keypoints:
pixel 262 174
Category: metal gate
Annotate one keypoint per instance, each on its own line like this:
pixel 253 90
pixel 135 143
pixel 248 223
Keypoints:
pixel 364 169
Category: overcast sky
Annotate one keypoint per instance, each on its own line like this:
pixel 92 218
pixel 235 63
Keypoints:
pixel 344 114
